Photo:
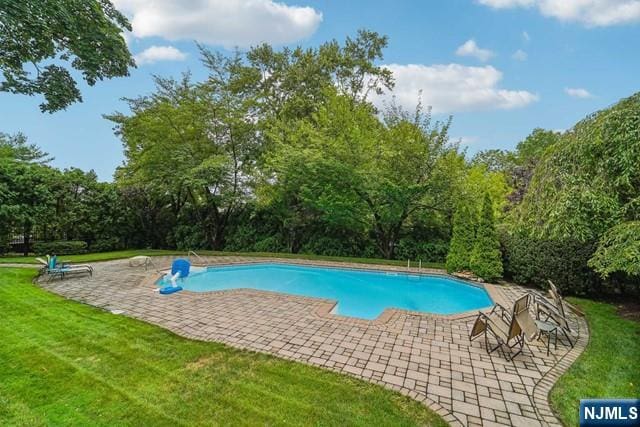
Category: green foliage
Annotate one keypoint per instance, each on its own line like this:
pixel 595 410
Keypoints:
pixel 486 258
pixel 589 180
pixel 426 251
pixel 193 146
pixel 106 245
pixel 347 169
pixel 533 260
pixel 60 247
pixel 85 33
pixel 462 239
pixel 532 148
pixel 584 186
pixel 25 180
pixel 618 250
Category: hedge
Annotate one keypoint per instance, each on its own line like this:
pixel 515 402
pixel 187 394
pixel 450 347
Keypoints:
pixel 60 247
pixel 531 261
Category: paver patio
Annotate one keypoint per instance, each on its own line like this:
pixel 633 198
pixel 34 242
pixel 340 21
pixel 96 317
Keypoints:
pixel 427 357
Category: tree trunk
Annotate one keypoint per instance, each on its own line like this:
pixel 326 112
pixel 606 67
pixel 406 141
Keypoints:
pixel 218 238
pixel 26 239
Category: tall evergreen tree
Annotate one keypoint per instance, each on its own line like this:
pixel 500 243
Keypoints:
pixel 462 239
pixel 486 259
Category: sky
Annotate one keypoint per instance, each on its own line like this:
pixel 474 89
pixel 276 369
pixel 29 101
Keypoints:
pixel 500 67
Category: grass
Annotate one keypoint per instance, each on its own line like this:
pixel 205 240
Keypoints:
pixel 105 256
pixel 608 368
pixel 65 363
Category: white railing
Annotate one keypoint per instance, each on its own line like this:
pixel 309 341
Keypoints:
pixel 202 260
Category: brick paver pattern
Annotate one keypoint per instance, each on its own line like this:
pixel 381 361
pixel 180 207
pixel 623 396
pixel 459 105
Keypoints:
pixel 426 357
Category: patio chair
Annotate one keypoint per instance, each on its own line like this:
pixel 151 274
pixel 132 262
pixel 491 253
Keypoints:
pixel 555 310
pixel 53 269
pixel 504 327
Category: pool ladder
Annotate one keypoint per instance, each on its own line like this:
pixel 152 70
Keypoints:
pixel 202 260
pixel 419 265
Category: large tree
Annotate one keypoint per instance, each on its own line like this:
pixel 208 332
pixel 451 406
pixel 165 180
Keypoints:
pixel 588 180
pixel 359 169
pixel 194 145
pixel 25 199
pixel 38 38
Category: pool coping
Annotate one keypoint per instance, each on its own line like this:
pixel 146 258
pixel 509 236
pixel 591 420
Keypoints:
pixel 328 305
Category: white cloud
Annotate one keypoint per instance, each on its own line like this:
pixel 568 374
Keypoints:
pixel 470 48
pixel 520 55
pixel 154 54
pixel 592 13
pixel 578 92
pixel 525 36
pixel 228 23
pixel 453 88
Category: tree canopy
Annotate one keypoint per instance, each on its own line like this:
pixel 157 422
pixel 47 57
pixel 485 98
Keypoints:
pixel 283 150
pixel 39 39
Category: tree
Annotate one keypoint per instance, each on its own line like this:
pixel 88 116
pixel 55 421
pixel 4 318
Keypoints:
pixel 194 145
pixel 41 35
pixel 486 259
pixel 589 180
pixel 25 199
pixel 292 83
pixel 360 170
pixel 462 239
pixel 618 250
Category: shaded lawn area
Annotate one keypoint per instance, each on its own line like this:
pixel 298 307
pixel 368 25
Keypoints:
pixel 608 368
pixel 106 256
pixel 67 363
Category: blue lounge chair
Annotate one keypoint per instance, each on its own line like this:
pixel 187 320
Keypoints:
pixel 53 269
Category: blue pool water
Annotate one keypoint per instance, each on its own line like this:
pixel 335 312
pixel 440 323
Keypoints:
pixel 363 294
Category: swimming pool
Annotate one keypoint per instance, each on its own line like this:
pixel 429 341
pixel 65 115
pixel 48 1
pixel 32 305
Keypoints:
pixel 360 293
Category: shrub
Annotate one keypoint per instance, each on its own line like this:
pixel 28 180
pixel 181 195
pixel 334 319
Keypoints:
pixel 462 239
pixel 242 238
pixel 106 245
pixel 486 258
pixel 427 251
pixel 188 237
pixel 60 247
pixel 4 243
pixel 268 244
pixel 531 261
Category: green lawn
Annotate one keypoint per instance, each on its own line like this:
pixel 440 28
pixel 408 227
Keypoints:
pixel 609 366
pixel 65 363
pixel 105 256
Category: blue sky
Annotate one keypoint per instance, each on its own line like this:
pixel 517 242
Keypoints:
pixel 500 67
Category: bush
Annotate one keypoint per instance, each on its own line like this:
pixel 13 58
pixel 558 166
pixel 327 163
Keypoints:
pixel 4 243
pixel 427 251
pixel 348 245
pixel 106 245
pixel 532 261
pixel 188 237
pixel 268 244
pixel 242 238
pixel 60 247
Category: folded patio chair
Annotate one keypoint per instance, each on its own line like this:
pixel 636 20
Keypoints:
pixel 555 310
pixel 524 319
pixel 504 327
